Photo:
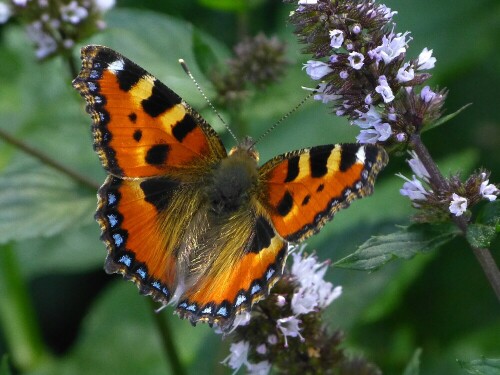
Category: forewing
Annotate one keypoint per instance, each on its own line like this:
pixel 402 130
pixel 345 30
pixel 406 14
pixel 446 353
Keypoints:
pixel 303 189
pixel 141 127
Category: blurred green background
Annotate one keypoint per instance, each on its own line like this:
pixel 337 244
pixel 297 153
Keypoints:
pixel 90 322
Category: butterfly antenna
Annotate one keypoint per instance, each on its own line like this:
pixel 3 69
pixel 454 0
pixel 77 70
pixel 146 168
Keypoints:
pixel 283 118
pixel 188 72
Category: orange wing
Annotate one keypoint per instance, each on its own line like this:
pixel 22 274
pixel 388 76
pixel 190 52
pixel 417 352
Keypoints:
pixel 141 127
pixel 158 151
pixel 305 188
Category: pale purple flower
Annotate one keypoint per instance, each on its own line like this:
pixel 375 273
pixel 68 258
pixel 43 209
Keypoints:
pixel 379 133
pixel 488 191
pixel 392 46
pixel 73 13
pixel 413 189
pixel 401 137
pixel 458 205
pixel 368 99
pixel 427 94
pixel 386 11
pixel 261 368
pixel 405 73
pixel 320 93
pixel 336 38
pixel 261 349
pixel 343 74
pixel 356 29
pixel 425 60
pixel 272 339
pixel 104 5
pixel 317 69
pixel 45 43
pixel 20 3
pixel 289 327
pixel 280 301
pixel 356 60
pixel 308 2
pixel 303 302
pixel 368 119
pixel 238 355
pixel 417 167
pixel 384 90
pixel 5 12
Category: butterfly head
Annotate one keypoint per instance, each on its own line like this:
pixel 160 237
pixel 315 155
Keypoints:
pixel 246 147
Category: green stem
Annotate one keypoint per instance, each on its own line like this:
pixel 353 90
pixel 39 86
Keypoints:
pixel 47 160
pixel 167 342
pixel 437 180
pixel 17 316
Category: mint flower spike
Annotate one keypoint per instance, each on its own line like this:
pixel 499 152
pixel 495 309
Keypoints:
pixel 360 59
pixel 55 27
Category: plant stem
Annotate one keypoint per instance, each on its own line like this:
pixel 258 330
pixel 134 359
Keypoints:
pixel 47 160
pixel 17 316
pixel 483 255
pixel 168 344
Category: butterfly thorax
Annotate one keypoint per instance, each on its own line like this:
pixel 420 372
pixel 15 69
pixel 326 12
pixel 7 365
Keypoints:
pixel 233 179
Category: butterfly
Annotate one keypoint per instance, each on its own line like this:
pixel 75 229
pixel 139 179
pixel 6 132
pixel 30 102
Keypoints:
pixel 189 223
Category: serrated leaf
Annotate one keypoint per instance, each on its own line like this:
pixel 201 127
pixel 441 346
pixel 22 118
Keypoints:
pixel 446 118
pixel 231 5
pixel 480 235
pixel 483 366
pixel 38 201
pixel 413 367
pixel 404 244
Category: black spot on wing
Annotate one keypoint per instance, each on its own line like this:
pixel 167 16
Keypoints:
pixel 161 99
pixel 306 199
pixel 262 236
pixel 285 205
pixel 184 127
pixel 293 168
pixel 348 156
pixel 159 191
pixel 157 154
pixel 318 159
pixel 320 188
pixel 138 135
pixel 132 117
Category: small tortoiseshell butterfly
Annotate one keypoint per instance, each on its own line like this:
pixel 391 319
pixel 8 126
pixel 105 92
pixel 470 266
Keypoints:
pixel 189 223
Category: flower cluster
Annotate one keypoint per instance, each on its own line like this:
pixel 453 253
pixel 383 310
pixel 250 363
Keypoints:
pixel 258 61
pixel 361 64
pixel 455 199
pixel 285 329
pixel 55 26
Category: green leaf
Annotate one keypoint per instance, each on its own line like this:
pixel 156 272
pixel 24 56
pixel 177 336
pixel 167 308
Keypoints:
pixel 39 201
pixel 480 235
pixel 483 366
pixel 446 118
pixel 231 5
pixel 404 244
pixel 118 336
pixel 413 367
pixel 4 366
pixel 490 214
pixel 203 53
